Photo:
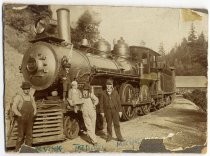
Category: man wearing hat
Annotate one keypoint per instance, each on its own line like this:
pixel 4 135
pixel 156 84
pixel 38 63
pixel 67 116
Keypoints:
pixel 24 108
pixel 110 106
pixel 89 112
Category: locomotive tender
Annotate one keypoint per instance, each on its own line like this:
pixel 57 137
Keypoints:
pixel 143 83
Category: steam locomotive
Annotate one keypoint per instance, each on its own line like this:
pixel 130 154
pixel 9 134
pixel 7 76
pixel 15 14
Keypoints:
pixel 144 84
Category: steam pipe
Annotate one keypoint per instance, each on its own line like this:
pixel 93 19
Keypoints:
pixel 63 18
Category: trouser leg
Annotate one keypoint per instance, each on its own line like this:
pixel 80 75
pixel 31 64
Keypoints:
pixel 81 121
pixel 20 137
pixel 99 122
pixel 109 123
pixel 64 94
pixel 93 120
pixel 89 126
pixel 116 121
pixel 29 130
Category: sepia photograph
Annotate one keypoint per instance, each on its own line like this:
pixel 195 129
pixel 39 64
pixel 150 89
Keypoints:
pixel 101 79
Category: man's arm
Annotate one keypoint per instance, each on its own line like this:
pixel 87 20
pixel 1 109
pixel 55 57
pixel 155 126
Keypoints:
pixel 101 104
pixel 34 105
pixel 69 99
pixel 118 102
pixel 94 99
pixel 15 104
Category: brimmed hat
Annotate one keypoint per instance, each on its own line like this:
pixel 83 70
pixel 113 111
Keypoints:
pixel 86 86
pixel 109 82
pixel 67 65
pixel 25 85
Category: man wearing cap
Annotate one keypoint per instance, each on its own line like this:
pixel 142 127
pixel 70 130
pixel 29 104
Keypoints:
pixel 24 108
pixel 66 79
pixel 89 112
pixel 110 106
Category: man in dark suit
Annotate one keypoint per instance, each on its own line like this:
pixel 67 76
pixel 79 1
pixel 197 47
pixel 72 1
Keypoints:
pixel 110 107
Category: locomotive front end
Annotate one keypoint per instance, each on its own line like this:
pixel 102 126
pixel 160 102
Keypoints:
pixel 40 66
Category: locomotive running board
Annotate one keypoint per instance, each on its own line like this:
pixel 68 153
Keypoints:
pixel 108 73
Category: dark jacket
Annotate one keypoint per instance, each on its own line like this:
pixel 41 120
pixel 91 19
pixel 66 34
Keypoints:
pixel 110 101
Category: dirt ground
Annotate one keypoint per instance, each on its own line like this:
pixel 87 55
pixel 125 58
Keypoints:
pixel 181 125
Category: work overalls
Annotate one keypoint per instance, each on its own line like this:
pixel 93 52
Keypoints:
pixel 25 124
pixel 89 116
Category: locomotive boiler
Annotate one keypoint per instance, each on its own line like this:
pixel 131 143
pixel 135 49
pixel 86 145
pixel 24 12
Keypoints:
pixel 143 83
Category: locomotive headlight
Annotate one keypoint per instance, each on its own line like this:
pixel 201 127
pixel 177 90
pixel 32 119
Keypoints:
pixel 41 25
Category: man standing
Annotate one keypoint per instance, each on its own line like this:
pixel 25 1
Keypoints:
pixel 66 79
pixel 110 106
pixel 89 112
pixel 24 108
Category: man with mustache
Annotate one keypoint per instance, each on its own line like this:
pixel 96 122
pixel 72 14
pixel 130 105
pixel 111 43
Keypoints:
pixel 110 107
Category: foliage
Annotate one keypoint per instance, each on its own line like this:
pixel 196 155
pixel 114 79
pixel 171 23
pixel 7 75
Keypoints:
pixel 198 97
pixel 21 18
pixel 18 23
pixel 87 27
pixel 161 50
pixel 190 57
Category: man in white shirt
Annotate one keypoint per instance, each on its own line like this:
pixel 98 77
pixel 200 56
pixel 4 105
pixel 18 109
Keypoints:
pixel 24 108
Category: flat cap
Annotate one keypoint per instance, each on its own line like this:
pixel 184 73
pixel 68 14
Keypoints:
pixel 86 86
pixel 109 82
pixel 67 65
pixel 25 85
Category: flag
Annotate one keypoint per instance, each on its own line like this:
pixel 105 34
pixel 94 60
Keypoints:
pixel 189 15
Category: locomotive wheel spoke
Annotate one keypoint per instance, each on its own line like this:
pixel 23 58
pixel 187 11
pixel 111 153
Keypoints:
pixel 127 95
pixel 168 100
pixel 128 112
pixel 71 128
pixel 154 105
pixel 145 109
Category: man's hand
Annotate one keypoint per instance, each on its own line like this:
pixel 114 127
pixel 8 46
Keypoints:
pixel 18 114
pixel 120 114
pixel 102 114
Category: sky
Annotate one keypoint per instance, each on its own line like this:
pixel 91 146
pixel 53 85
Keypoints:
pixel 137 24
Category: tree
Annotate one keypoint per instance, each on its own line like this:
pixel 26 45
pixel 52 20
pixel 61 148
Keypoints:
pixel 192 36
pixel 23 19
pixel 87 27
pixel 19 22
pixel 161 50
pixel 200 52
pixel 190 57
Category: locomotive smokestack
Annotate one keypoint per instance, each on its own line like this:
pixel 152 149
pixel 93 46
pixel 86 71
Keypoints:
pixel 63 18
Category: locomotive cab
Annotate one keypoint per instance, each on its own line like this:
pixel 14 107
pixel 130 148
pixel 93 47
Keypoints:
pixel 145 58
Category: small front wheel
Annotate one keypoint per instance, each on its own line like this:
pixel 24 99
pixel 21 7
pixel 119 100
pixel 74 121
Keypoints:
pixel 71 127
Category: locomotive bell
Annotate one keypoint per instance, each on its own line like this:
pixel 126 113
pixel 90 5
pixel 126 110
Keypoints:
pixel 121 49
pixel 103 47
